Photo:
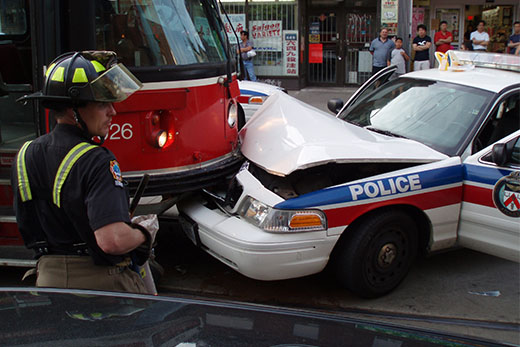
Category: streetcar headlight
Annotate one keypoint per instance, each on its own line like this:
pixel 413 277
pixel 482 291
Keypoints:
pixel 160 138
pixel 281 221
pixel 232 115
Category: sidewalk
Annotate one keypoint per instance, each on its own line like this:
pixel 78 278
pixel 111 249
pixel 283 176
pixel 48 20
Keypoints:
pixel 318 96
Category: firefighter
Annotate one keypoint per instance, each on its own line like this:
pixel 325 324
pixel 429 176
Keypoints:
pixel 70 199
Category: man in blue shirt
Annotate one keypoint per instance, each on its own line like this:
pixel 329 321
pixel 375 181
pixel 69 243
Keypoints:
pixel 381 49
pixel 514 40
pixel 245 46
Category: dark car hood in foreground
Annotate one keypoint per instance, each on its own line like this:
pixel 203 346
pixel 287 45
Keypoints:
pixel 52 317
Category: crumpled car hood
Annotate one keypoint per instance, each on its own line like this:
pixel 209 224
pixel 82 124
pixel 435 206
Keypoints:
pixel 286 135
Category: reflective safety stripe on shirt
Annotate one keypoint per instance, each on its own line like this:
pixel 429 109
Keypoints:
pixel 63 171
pixel 23 179
pixel 65 167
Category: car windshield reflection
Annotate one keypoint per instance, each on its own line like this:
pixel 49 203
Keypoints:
pixel 438 114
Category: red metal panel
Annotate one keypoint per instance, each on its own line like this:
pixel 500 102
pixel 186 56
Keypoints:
pixel 9 235
pixel 195 117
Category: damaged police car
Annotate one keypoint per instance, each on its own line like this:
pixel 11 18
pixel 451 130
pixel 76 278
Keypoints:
pixel 421 163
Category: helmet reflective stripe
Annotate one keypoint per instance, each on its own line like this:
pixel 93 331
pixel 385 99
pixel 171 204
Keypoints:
pixel 98 66
pixel 79 76
pixel 57 76
pixel 49 69
pixel 23 179
pixel 65 167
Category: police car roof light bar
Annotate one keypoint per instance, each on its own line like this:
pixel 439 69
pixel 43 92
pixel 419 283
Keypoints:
pixel 489 60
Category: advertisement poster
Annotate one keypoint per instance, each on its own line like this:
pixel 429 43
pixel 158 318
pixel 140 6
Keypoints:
pixel 316 53
pixel 238 21
pixel 290 52
pixel 389 15
pixel 389 11
pixel 266 35
pixel 417 18
pixel 314 32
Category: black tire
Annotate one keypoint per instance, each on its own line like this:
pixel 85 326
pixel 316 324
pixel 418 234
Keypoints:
pixel 377 253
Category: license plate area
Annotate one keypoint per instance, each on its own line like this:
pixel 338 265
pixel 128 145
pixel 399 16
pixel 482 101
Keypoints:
pixel 190 228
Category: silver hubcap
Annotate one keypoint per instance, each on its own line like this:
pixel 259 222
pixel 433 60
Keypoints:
pixel 387 255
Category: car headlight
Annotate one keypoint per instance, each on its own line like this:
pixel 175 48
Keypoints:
pixel 280 221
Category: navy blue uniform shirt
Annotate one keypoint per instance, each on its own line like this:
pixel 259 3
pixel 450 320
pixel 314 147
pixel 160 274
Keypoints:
pixel 92 196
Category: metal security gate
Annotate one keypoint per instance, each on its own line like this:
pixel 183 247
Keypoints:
pixel 323 49
pixel 360 31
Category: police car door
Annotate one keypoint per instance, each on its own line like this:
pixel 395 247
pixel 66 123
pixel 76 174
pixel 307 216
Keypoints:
pixel 368 87
pixel 490 211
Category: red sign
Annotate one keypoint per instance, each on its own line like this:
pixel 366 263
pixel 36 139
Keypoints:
pixel 316 53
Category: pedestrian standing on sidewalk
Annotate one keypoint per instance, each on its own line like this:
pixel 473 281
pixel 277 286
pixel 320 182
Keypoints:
pixel 381 49
pixel 247 46
pixel 480 38
pixel 443 38
pixel 399 58
pixel 514 40
pixel 421 45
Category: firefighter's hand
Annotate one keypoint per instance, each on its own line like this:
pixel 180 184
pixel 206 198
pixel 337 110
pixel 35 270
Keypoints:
pixel 150 222
pixel 148 225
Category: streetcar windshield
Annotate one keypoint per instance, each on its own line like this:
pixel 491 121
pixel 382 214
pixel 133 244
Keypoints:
pixel 160 32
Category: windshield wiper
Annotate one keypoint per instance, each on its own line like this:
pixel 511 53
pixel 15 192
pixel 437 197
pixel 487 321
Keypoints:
pixel 385 132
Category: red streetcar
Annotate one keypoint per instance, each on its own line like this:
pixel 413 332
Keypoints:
pixel 181 128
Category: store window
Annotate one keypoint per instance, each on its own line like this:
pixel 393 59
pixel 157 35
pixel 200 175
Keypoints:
pixel 12 18
pixel 273 28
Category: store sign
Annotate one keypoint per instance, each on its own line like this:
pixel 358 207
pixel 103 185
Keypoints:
pixel 290 52
pixel 316 53
pixel 266 35
pixel 389 15
pixel 314 32
pixel 238 22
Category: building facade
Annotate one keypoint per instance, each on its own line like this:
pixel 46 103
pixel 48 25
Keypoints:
pixel 303 43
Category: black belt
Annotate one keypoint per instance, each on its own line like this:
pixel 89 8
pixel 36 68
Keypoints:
pixel 42 248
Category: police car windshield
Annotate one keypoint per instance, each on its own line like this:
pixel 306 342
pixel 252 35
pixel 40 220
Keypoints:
pixel 438 114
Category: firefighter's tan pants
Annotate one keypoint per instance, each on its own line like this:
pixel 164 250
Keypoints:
pixel 80 272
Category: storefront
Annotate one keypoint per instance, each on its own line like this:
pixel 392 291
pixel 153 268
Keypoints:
pixel 325 42
pixel 463 16
pixel 308 42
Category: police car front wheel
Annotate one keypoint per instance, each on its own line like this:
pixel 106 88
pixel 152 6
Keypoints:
pixel 377 253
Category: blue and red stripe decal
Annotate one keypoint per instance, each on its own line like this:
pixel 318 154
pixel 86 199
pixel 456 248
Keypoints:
pixel 480 182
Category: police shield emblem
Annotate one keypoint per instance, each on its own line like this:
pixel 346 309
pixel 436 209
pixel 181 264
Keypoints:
pixel 506 194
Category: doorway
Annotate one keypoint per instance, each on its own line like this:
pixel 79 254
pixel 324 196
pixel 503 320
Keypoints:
pixel 325 48
pixel 338 42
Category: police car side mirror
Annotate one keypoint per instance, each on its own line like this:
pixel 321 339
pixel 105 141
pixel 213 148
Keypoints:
pixel 335 105
pixel 499 154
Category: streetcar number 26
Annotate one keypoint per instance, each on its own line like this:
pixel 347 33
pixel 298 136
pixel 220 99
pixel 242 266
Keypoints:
pixel 118 132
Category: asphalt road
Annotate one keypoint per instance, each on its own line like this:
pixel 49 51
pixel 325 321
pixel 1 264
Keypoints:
pixel 461 291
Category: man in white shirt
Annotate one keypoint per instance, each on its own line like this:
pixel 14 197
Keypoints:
pixel 480 38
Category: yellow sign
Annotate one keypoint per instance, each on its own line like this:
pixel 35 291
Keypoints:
pixel 421 3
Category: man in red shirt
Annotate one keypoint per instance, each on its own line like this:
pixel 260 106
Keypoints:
pixel 443 38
